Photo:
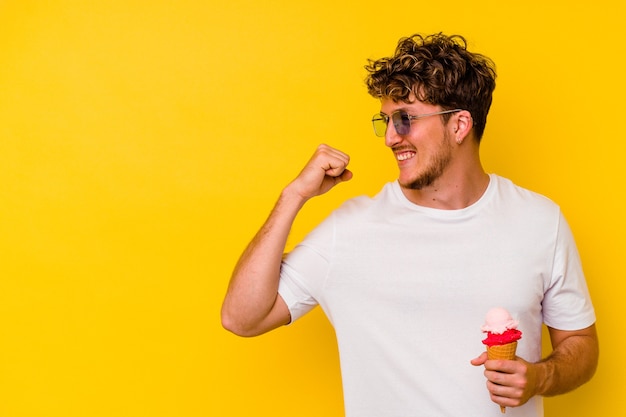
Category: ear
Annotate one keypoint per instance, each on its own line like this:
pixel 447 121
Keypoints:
pixel 462 125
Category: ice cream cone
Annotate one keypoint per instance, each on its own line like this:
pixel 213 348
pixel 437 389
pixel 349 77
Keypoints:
pixel 502 352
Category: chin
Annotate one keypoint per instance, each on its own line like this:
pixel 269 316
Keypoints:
pixel 417 183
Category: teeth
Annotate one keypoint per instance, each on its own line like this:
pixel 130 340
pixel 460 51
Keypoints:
pixel 404 156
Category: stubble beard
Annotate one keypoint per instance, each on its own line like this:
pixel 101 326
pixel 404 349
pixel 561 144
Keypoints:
pixel 436 166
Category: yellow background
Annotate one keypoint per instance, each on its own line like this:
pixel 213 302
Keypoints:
pixel 142 143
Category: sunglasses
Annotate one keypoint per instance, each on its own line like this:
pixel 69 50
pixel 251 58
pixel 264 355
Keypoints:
pixel 401 121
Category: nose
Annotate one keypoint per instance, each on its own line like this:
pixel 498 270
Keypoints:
pixel 391 135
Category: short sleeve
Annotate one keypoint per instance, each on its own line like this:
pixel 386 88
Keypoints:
pixel 305 269
pixel 567 304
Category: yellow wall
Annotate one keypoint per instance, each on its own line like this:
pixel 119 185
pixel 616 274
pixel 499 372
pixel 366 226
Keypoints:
pixel 143 142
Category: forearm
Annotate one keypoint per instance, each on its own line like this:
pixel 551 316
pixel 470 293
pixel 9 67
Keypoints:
pixel 572 363
pixel 252 304
pixel 253 288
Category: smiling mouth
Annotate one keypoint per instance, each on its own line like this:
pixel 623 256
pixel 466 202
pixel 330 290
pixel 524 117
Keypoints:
pixel 404 155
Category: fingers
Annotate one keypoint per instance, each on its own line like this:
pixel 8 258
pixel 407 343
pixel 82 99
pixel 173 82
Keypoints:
pixel 325 169
pixel 480 360
pixel 507 382
pixel 334 162
pixel 346 175
pixel 504 395
pixel 498 374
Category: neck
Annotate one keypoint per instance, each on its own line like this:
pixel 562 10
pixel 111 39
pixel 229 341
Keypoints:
pixel 452 191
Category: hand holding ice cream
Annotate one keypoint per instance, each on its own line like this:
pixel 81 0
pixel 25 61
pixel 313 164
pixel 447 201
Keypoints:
pixel 502 335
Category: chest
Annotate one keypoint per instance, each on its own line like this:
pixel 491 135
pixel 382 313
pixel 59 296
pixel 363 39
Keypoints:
pixel 399 272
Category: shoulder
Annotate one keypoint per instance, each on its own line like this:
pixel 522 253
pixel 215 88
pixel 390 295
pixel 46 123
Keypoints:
pixel 508 191
pixel 524 210
pixel 363 206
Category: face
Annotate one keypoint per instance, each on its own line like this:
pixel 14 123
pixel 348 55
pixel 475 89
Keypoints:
pixel 426 151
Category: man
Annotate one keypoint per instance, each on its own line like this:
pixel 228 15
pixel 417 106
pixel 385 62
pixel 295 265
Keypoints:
pixel 406 277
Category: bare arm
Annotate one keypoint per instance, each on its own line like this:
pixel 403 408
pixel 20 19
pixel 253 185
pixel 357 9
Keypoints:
pixel 572 362
pixel 252 305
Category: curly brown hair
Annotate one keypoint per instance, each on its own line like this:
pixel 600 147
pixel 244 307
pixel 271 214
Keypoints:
pixel 438 69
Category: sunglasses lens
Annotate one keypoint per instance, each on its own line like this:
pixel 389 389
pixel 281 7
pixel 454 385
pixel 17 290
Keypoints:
pixel 402 122
pixel 380 125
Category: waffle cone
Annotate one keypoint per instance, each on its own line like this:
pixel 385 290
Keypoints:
pixel 502 352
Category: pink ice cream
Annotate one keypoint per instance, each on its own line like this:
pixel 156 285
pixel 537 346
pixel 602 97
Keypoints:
pixel 500 327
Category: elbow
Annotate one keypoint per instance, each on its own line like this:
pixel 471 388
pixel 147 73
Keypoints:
pixel 246 321
pixel 231 324
pixel 227 322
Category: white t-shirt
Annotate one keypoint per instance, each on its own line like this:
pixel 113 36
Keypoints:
pixel 407 289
